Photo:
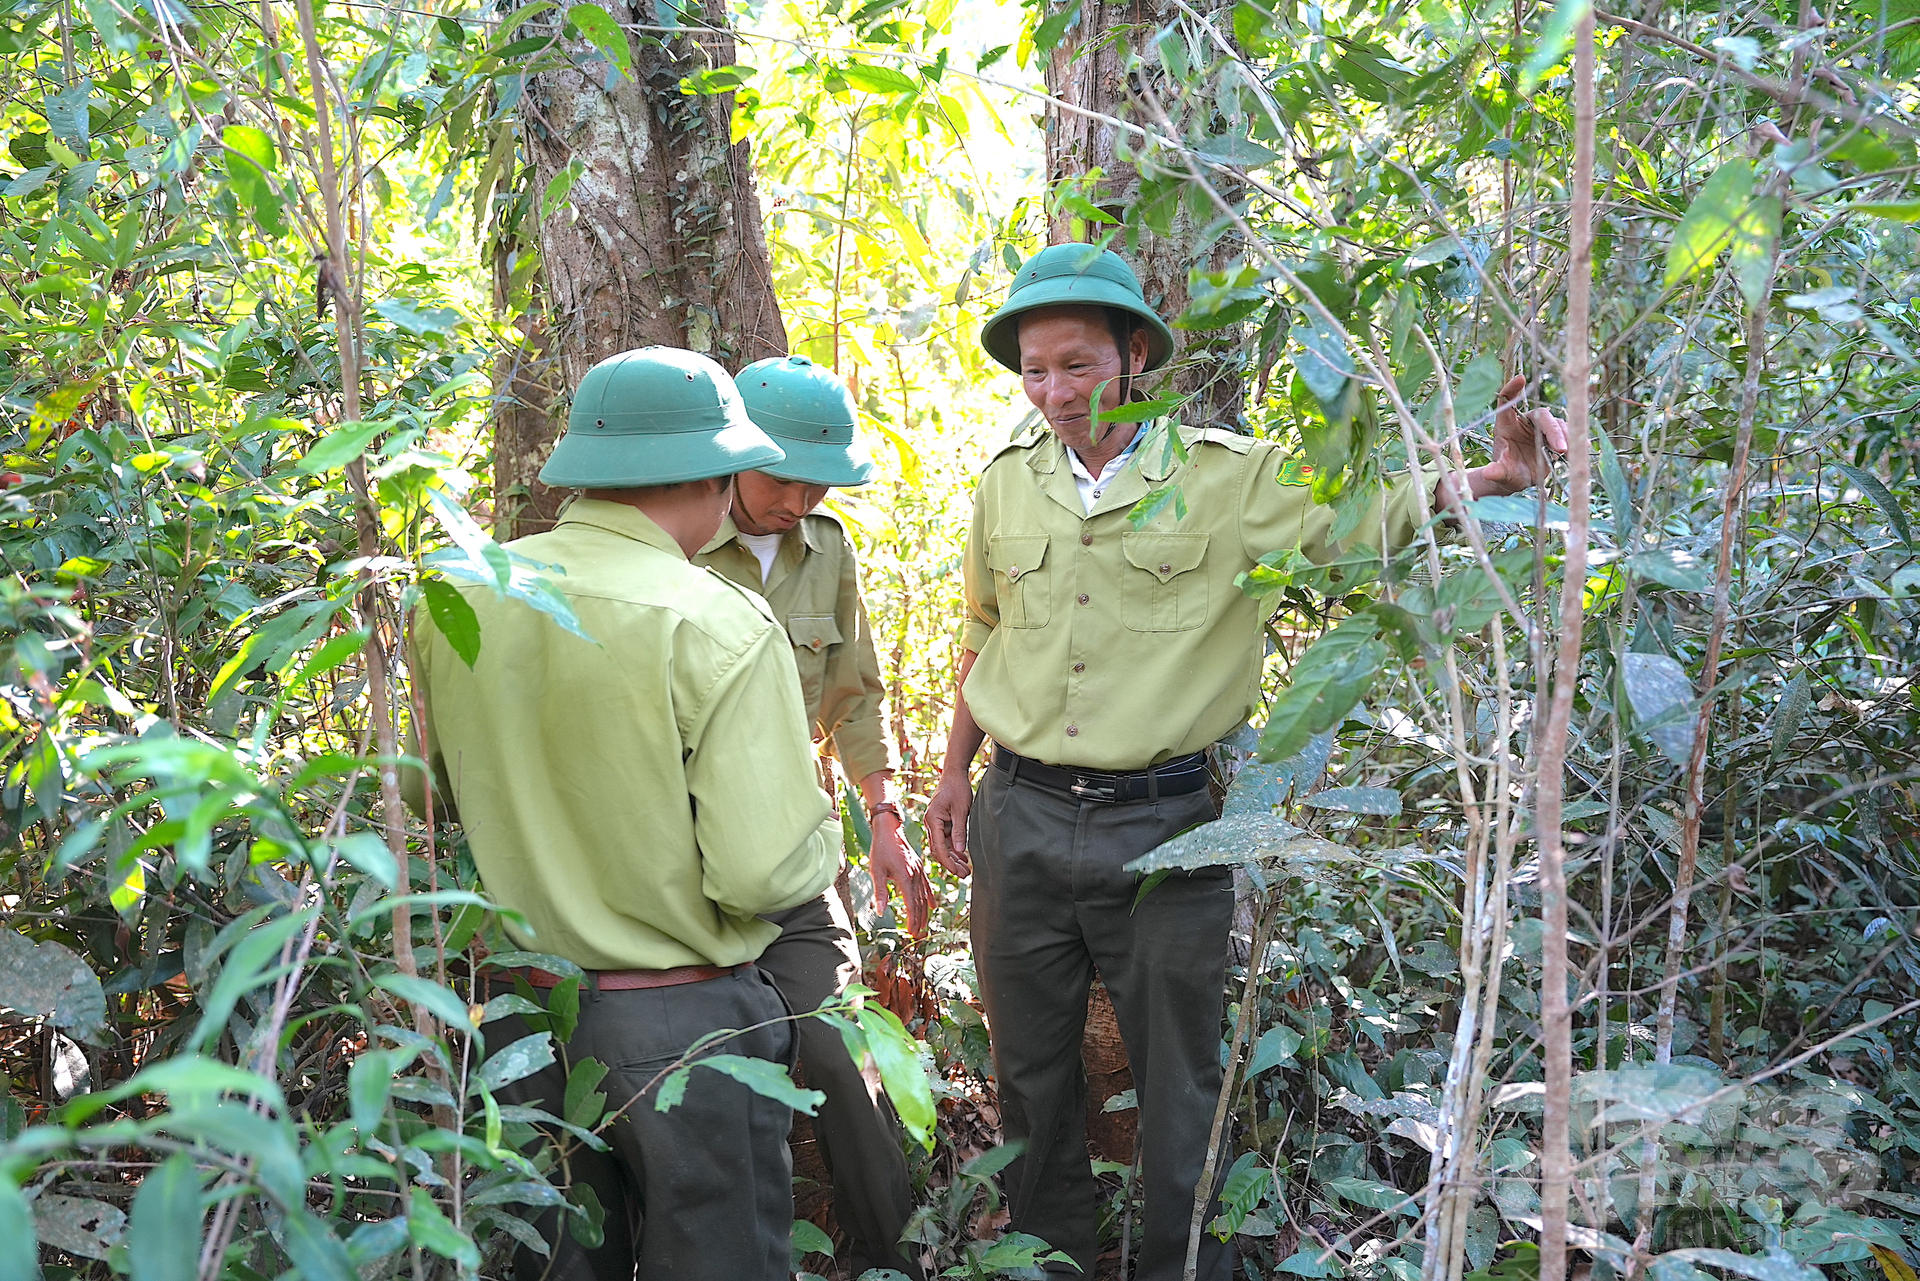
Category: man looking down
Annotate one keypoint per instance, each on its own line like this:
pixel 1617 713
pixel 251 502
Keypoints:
pixel 1103 661
pixel 642 799
pixel 776 544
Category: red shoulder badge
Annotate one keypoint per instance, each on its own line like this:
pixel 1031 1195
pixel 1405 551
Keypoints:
pixel 1294 472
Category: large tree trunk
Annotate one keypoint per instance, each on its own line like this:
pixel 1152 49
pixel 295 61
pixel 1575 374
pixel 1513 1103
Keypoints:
pixel 1104 63
pixel 526 389
pixel 659 239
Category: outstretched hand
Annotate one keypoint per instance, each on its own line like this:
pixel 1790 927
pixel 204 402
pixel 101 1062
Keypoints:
pixel 1518 461
pixel 892 865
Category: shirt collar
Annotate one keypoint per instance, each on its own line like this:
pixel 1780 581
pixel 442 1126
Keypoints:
pixel 810 534
pixel 622 519
pixel 1114 464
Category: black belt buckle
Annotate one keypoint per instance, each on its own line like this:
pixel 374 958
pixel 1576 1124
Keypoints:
pixel 1089 790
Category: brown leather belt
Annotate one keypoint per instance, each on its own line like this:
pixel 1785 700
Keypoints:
pixel 632 980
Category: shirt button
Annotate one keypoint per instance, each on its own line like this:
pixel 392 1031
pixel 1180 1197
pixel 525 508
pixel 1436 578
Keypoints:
pixel 1086 540
pixel 1083 598
pixel 817 642
pixel 1073 731
pixel 1078 668
pixel 1166 569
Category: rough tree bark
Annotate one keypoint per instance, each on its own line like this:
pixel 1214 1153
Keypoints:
pixel 1105 64
pixel 659 239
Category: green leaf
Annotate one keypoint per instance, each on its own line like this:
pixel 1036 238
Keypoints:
pixel 597 25
pixel 1275 1047
pixel 1241 153
pixel 48 980
pixel 1709 221
pixel 1325 366
pixel 163 1237
pixel 1674 568
pixel 1018 1250
pixel 897 1055
pixel 413 316
pixel 1661 694
pixel 1334 674
pixel 78 1225
pixel 1896 210
pixel 250 157
pixel 769 1080
pixel 370 1084
pixel 673 1089
pixel 439 1001
pixel 334 651
pixel 454 617
pixel 1357 800
pixel 584 1104
pixel 1553 44
pixel 1048 33
pixel 432 1230
pixel 875 79
pixel 559 187
pixel 718 79
pixel 340 446
pixel 19 1253
pixel 368 851
pixel 1372 1194
pixel 1519 509
pixel 1135 411
pixel 1756 233
pixel 515 1062
pixel 1795 699
pixel 1869 484
pixel 808 1239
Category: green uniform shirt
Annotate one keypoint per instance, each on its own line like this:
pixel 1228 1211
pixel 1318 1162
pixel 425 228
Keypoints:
pixel 642 799
pixel 814 590
pixel 1113 648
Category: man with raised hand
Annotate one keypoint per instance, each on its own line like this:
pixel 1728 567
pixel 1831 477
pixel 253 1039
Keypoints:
pixel 1103 660
pixel 776 543
pixel 642 800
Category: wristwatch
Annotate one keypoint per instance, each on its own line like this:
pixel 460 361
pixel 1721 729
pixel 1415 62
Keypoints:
pixel 885 807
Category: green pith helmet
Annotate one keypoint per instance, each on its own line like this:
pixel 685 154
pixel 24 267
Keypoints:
pixel 810 414
pixel 656 416
pixel 1073 276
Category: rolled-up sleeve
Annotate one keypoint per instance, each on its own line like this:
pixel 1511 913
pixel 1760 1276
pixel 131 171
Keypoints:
pixel 982 597
pixel 853 703
pixel 767 835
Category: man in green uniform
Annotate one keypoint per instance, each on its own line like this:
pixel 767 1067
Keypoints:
pixel 776 544
pixel 642 799
pixel 1103 660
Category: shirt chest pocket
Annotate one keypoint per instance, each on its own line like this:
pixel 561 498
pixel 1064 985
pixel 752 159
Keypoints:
pixel 1020 578
pixel 813 636
pixel 1166 588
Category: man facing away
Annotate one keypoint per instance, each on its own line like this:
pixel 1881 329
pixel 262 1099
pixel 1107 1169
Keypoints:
pixel 1103 661
pixel 776 544
pixel 642 799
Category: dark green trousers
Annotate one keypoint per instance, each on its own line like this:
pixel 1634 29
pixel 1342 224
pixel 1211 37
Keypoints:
pixel 702 1192
pixel 1051 906
pixel 813 960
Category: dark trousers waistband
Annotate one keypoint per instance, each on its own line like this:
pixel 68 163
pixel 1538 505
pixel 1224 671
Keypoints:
pixel 1177 777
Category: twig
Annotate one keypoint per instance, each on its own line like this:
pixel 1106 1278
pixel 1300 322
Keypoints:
pixel 1249 998
pixel 1555 1016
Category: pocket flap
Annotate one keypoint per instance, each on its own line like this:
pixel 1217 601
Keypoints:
pixel 1165 555
pixel 1016 554
pixel 813 631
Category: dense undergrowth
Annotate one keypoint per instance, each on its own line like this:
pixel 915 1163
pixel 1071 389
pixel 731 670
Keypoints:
pixel 241 980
